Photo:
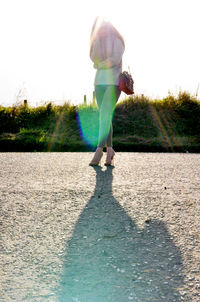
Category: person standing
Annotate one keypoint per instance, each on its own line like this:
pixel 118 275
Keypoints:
pixel 106 50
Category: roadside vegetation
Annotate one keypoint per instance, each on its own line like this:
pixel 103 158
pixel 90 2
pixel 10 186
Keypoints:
pixel 140 124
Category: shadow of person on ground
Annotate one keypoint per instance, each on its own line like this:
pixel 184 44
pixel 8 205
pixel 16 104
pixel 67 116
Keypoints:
pixel 108 258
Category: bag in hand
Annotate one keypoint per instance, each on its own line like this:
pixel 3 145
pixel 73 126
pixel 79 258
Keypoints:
pixel 126 83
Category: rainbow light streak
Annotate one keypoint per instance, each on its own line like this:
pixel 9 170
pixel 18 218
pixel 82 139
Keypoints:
pixel 171 129
pixel 53 136
pixel 162 127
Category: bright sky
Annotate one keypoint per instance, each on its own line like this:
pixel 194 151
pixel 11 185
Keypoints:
pixel 44 47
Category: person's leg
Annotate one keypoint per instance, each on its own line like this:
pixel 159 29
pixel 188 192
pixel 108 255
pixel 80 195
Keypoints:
pixel 110 152
pixel 109 138
pixel 99 93
pixel 106 97
pixel 106 110
pixel 110 134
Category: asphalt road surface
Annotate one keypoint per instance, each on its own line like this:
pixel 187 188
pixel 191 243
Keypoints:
pixel 71 232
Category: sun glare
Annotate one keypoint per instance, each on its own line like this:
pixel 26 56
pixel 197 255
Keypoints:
pixel 52 54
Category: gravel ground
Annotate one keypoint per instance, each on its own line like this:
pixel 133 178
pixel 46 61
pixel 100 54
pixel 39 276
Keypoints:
pixel 70 232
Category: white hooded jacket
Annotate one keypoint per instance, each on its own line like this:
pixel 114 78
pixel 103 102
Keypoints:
pixel 108 71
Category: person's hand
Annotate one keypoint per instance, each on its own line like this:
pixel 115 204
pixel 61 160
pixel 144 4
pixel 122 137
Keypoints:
pixel 95 65
pixel 105 64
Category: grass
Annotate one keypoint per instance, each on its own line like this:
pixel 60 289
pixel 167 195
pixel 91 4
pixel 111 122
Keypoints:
pixel 140 124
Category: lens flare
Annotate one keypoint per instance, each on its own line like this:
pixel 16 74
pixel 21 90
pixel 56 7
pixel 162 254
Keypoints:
pixel 165 126
pixel 95 125
pixel 55 131
pixel 88 122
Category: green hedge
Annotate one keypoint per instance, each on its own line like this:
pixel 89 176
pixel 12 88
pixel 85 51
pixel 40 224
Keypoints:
pixel 140 124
